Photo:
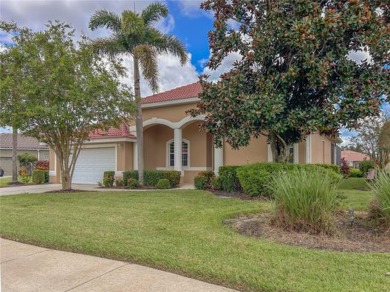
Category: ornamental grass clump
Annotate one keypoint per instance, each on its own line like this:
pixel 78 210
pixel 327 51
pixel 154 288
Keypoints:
pixel 304 201
pixel 381 190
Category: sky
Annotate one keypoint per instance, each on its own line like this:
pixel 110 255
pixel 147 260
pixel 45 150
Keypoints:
pixel 185 20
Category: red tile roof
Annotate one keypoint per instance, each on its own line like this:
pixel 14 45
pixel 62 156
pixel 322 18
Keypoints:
pixel 183 92
pixel 349 155
pixel 121 132
pixel 24 142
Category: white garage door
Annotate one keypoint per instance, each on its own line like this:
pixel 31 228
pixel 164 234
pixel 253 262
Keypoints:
pixel 92 163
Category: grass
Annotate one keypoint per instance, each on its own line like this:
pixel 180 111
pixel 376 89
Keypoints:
pixel 4 181
pixel 354 193
pixel 354 183
pixel 182 231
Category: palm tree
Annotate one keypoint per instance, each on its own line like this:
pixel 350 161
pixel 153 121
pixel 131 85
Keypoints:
pixel 133 34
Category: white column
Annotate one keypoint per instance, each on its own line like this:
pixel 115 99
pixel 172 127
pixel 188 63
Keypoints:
pixel 296 152
pixel 177 136
pixel 218 158
pixel 135 156
pixel 308 149
pixel 270 159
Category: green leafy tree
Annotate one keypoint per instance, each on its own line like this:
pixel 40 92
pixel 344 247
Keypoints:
pixel 11 97
pixel 367 139
pixel 68 91
pixel 295 75
pixel 134 35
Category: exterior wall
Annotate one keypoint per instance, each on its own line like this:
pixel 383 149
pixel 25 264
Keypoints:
pixel 302 152
pixel 256 151
pixel 320 149
pixel 124 156
pixel 6 158
pixel 155 152
pixel 173 113
pixel 198 145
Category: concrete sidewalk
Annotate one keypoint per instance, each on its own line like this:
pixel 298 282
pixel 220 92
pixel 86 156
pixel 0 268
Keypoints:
pixel 30 268
pixel 35 189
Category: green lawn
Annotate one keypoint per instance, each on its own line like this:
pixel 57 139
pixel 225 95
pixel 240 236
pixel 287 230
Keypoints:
pixel 182 231
pixel 4 181
pixel 354 183
pixel 354 193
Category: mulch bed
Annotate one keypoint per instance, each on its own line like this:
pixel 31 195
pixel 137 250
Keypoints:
pixel 361 236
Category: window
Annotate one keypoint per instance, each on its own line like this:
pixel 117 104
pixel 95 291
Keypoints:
pixel 291 154
pixel 184 156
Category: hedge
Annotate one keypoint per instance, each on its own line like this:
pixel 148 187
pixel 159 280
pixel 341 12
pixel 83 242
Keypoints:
pixel 151 177
pixel 229 179
pixel 38 176
pixel 255 178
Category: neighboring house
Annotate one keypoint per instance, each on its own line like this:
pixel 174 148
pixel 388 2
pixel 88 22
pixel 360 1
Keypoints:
pixel 172 140
pixel 25 145
pixel 353 158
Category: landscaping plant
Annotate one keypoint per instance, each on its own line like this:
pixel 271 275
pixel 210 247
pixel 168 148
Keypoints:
pixel 38 176
pixel 380 207
pixel 304 201
pixel 163 184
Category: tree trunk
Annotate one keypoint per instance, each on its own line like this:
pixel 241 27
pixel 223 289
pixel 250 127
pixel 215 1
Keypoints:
pixel 278 148
pixel 14 153
pixel 66 179
pixel 139 122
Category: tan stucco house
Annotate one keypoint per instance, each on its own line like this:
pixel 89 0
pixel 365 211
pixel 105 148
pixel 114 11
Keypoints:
pixel 172 140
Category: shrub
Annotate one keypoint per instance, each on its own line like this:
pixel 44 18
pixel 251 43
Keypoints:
pixel 333 167
pixel 22 171
pixel 381 189
pixel 132 183
pixel 129 174
pixel 365 166
pixel 26 159
pixel 119 183
pixel 42 165
pixel 355 172
pixel 108 178
pixel 151 177
pixel 163 184
pixel 207 173
pixel 38 176
pixel 215 183
pixel 201 182
pixel 229 179
pixel 24 178
pixel 344 169
pixel 304 200
pixel 255 178
pixel 173 177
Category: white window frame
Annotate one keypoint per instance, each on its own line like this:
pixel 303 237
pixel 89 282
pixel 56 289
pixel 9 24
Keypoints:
pixel 167 148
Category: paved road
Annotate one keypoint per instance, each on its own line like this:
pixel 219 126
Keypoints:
pixel 34 189
pixel 30 268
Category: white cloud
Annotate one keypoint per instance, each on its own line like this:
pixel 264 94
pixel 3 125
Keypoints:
pixel 172 74
pixel 35 14
pixel 226 65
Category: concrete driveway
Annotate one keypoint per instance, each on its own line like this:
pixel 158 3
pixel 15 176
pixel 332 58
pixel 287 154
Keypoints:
pixel 30 268
pixel 34 189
